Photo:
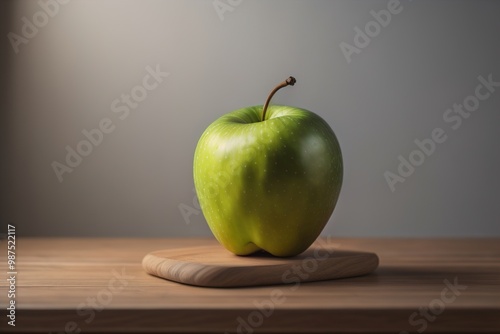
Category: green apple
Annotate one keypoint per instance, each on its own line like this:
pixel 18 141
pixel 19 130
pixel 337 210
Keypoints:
pixel 268 178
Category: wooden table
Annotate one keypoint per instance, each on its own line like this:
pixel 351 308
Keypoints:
pixel 65 285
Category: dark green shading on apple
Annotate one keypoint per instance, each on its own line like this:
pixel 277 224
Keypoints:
pixel 268 178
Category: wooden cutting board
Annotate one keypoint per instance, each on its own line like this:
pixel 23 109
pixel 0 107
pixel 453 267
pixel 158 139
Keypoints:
pixel 214 266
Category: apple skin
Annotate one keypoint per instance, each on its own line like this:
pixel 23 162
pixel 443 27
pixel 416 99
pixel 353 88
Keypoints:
pixel 271 184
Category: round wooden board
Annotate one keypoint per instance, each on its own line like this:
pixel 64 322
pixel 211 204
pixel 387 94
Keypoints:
pixel 214 266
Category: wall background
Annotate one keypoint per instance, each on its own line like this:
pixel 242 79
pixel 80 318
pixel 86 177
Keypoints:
pixel 394 91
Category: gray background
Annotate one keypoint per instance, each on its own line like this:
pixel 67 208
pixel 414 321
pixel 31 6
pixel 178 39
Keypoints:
pixel 391 93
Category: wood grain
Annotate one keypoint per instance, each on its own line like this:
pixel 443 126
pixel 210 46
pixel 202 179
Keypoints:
pixel 213 266
pixel 60 279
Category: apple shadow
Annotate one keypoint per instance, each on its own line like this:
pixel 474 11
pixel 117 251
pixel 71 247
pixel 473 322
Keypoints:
pixel 311 252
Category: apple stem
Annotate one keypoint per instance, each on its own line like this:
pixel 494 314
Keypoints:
pixel 288 82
